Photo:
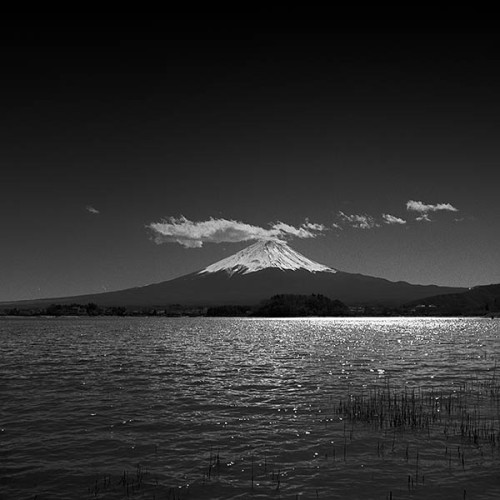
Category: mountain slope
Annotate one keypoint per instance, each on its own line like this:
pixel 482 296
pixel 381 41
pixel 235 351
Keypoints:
pixel 478 300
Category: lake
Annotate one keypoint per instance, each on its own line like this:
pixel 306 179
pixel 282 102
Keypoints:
pixel 206 408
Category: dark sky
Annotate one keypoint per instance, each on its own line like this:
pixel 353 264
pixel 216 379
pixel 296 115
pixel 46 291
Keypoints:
pixel 101 136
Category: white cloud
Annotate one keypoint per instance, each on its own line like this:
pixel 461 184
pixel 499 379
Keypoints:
pixel 300 232
pixel 419 206
pixel 358 221
pixel 92 210
pixel 313 226
pixel 391 219
pixel 424 208
pixel 423 218
pixel 192 234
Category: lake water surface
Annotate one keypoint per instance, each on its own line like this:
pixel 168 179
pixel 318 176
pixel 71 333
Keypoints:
pixel 177 408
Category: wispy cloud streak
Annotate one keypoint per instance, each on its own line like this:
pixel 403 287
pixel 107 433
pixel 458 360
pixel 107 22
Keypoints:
pixel 92 210
pixel 419 206
pixel 192 234
pixel 392 219
pixel 425 208
pixel 359 221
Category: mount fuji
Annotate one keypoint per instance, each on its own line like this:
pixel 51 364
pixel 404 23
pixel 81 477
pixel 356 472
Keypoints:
pixel 256 273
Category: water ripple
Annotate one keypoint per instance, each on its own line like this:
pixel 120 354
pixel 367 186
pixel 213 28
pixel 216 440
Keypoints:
pixel 225 408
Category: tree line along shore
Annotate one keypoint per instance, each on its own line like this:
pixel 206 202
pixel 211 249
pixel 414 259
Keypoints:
pixel 285 305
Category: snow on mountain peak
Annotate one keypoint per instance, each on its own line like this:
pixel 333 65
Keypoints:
pixel 266 254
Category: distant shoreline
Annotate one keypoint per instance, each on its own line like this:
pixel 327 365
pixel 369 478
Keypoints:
pixel 149 315
pixel 277 306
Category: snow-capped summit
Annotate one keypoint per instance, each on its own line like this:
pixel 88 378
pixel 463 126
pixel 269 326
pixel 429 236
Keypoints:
pixel 264 255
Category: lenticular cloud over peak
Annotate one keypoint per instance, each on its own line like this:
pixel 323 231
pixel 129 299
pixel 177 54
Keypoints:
pixel 192 234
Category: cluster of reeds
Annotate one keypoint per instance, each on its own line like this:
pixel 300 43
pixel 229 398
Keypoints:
pixel 136 484
pixel 471 410
pixel 462 418
pixel 131 483
pixel 100 485
pixel 259 471
pixel 213 467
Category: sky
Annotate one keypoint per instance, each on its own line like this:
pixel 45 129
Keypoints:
pixel 133 159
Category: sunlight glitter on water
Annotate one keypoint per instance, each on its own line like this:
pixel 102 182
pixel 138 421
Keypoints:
pixel 236 408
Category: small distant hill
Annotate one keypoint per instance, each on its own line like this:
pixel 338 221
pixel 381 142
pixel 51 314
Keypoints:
pixel 288 305
pixel 285 306
pixel 480 300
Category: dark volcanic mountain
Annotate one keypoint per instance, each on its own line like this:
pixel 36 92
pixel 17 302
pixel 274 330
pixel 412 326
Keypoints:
pixel 256 273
